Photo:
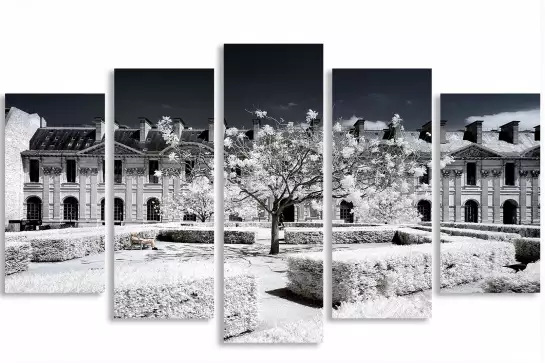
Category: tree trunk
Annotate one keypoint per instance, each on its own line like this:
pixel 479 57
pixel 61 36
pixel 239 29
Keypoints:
pixel 275 239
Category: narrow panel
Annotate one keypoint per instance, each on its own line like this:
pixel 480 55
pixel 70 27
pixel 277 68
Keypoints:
pixel 490 154
pixel 381 254
pixel 54 147
pixel 273 170
pixel 163 194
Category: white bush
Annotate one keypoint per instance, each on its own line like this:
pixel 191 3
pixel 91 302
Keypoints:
pixel 68 282
pixel 18 256
pixel 465 262
pixel 163 290
pixel 527 281
pixel 240 307
pixel 188 235
pixel 416 306
pixel 65 247
pixel 340 235
pixel 301 331
pixel 527 249
pixel 305 275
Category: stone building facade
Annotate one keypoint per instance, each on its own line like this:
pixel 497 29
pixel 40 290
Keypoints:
pixel 494 177
pixel 63 172
pixel 421 141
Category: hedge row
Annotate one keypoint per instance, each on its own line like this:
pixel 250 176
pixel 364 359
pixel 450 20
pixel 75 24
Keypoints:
pixel 527 249
pixel 344 235
pixel 163 290
pixel 66 282
pixel 415 306
pixel 18 255
pixel 321 224
pixel 473 233
pixel 465 262
pixel 522 230
pixel 206 235
pixel 240 306
pixel 527 281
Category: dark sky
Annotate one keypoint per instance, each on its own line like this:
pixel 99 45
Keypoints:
pixel 456 108
pixel 376 94
pixel 284 79
pixel 60 109
pixel 153 93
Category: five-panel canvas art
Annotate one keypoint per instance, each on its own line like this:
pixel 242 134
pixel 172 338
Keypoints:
pixel 163 174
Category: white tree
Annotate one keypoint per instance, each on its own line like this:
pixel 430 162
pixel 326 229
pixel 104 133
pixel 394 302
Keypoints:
pixel 373 174
pixel 192 163
pixel 195 197
pixel 280 167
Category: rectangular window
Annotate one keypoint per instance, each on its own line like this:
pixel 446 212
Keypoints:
pixel 471 173
pixel 510 174
pixel 71 171
pixel 118 171
pixel 104 171
pixel 425 179
pixel 153 167
pixel 34 171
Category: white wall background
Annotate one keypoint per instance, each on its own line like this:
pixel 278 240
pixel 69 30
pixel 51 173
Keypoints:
pixel 472 46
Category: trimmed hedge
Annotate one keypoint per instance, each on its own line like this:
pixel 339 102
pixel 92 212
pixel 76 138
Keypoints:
pixel 301 331
pixel 465 262
pixel 65 247
pixel 240 307
pixel 187 235
pixel 407 236
pixel 305 275
pixel 18 255
pixel 527 249
pixel 415 306
pixel 237 236
pixel 66 282
pixel 522 230
pixel 526 281
pixel 344 235
pixel 321 224
pixel 163 290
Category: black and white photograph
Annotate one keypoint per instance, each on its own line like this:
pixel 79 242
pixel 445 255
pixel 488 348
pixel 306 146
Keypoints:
pixel 273 192
pixel 381 178
pixel 163 194
pixel 54 190
pixel 490 222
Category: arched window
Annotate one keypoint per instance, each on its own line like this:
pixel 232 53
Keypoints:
pixel 70 209
pixel 346 211
pixel 424 209
pixel 102 205
pixel 510 212
pixel 153 210
pixel 34 208
pixel 472 211
pixel 118 209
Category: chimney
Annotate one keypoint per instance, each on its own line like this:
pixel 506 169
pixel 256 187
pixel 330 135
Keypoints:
pixel 116 125
pixel 443 132
pixel 177 126
pixel 510 132
pixel 536 133
pixel 257 126
pixel 43 123
pixel 100 129
pixel 425 132
pixel 474 132
pixel 359 127
pixel 211 129
pixel 145 126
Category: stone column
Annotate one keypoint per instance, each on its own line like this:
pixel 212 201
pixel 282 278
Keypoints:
pixel 535 196
pixel 458 195
pixel 82 193
pixel 484 195
pixel 55 173
pixel 140 196
pixel 446 194
pixel 128 196
pixel 45 199
pixel 93 172
pixel 496 173
pixel 522 199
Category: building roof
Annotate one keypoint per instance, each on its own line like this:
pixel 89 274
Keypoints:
pixel 62 138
